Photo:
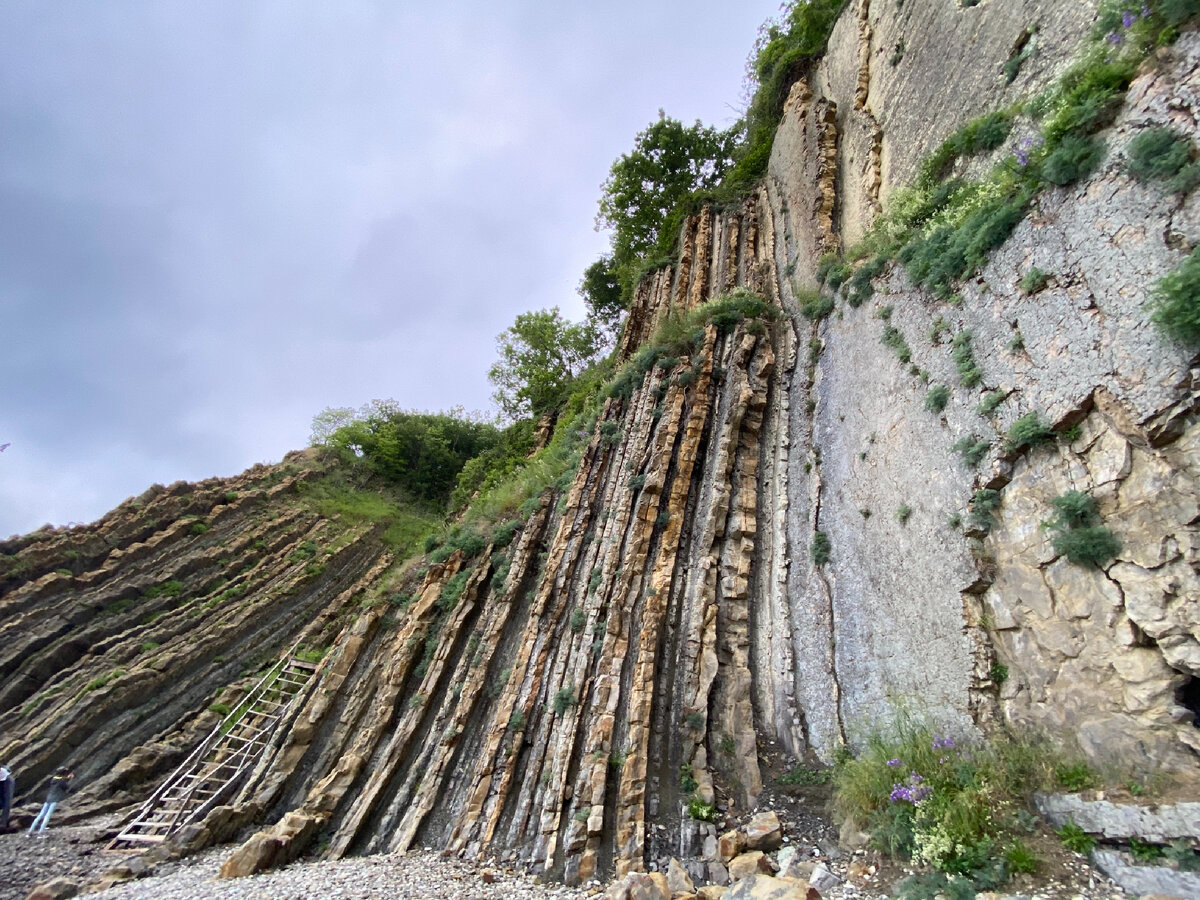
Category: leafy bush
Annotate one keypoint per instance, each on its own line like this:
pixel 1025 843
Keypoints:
pixel 1075 157
pixel 694 720
pixel 985 133
pixel 421 452
pixel 814 305
pixel 164 589
pixel 937 397
pixel 701 811
pixel 984 502
pixel 1028 431
pixel 1161 154
pixel 833 271
pixel 1020 858
pixel 578 620
pixel 1079 535
pixel 972 449
pixel 1175 301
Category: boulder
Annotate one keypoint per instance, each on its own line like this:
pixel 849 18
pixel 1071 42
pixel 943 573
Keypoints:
pixel 754 862
pixel 792 864
pixel 717 873
pixel 764 832
pixel 823 879
pixel 712 892
pixel 764 887
pixel 637 886
pixel 258 854
pixel 55 889
pixel 678 880
pixel 729 845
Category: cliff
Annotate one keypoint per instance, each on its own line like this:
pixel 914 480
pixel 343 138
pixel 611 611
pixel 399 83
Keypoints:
pixel 668 611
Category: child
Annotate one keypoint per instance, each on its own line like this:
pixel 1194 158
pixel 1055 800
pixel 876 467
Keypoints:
pixel 59 785
pixel 7 789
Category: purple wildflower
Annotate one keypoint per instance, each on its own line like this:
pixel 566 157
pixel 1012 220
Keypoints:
pixel 940 743
pixel 1127 19
pixel 1115 38
pixel 912 791
pixel 894 762
pixel 1025 146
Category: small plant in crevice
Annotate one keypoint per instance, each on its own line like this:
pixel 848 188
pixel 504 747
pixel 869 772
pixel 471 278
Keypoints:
pixel 700 811
pixel 893 338
pixel 1033 280
pixel 564 699
pixel 972 448
pixel 695 720
pixel 937 329
pixel 954 522
pixel 1023 49
pixel 990 402
pixel 983 505
pixel 903 513
pixel 687 778
pixel 1162 154
pixel 897 53
pixel 964 360
pixel 1020 858
pixel 1075 838
pixel 998 673
pixel 937 397
pixel 1017 343
pixel 1075 776
pixel 806 775
pixel 577 621
pixel 1079 534
pixel 1144 852
pixel 820 548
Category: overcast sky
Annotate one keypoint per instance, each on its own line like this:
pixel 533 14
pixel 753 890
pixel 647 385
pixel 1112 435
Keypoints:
pixel 219 218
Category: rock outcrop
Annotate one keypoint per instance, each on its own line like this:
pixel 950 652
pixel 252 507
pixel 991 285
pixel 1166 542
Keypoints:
pixel 621 657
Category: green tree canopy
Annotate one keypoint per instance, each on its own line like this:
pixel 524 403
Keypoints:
pixel 601 293
pixel 669 162
pixel 423 452
pixel 540 355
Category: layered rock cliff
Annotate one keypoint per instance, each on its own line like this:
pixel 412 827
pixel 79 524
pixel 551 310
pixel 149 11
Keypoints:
pixel 631 642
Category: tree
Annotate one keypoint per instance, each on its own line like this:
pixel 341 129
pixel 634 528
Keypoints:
pixel 601 293
pixel 540 355
pixel 669 162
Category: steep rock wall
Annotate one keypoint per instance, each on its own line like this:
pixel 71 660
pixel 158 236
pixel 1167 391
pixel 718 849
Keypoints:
pixel 560 698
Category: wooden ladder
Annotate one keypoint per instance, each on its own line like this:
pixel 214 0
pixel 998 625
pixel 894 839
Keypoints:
pixel 210 774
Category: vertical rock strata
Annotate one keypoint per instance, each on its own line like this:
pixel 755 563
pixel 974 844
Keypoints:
pixel 651 623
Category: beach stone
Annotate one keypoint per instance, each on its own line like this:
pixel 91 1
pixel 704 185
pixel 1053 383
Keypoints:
pixel 764 832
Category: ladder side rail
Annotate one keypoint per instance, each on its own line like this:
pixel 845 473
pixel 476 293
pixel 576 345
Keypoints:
pixel 286 713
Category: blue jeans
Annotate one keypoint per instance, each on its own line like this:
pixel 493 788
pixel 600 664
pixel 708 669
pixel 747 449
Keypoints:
pixel 43 817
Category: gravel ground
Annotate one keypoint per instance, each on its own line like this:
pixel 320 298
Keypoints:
pixel 414 876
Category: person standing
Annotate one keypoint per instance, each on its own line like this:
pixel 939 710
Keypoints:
pixel 8 787
pixel 60 784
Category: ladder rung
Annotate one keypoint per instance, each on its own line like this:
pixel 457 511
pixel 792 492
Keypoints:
pixel 157 838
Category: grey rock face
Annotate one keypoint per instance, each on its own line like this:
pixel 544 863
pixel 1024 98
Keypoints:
pixel 1139 880
pixel 1153 824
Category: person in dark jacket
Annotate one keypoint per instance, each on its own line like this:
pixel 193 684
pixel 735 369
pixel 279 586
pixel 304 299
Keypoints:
pixel 60 784
pixel 8 786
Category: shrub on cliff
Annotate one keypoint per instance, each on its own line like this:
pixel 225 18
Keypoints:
pixel 1175 301
pixel 541 354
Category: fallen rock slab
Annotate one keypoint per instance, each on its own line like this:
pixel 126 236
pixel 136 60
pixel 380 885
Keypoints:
pixel 764 887
pixel 1153 824
pixel 1141 880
